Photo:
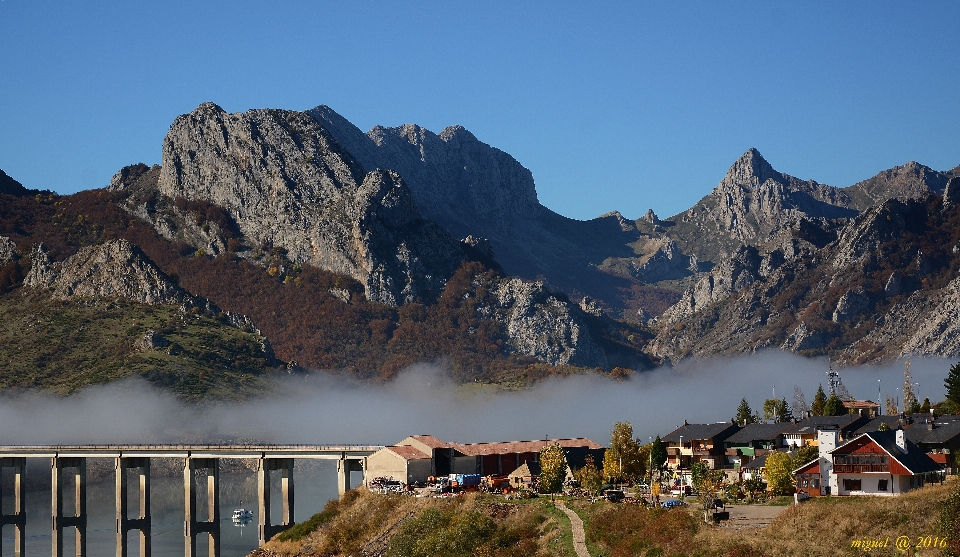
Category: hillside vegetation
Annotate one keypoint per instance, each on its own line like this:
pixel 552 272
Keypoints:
pixel 368 524
pixel 62 346
pixel 312 318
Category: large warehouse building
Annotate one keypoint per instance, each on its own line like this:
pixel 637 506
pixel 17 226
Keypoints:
pixel 416 458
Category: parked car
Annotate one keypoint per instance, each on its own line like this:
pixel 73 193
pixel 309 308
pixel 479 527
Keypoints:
pixel 670 503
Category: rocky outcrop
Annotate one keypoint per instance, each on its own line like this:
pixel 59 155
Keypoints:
pixel 42 272
pixel 540 324
pixel 860 241
pixel 666 261
pixel 951 193
pixel 116 269
pixel 924 324
pixel 288 184
pixel 729 277
pixel 151 340
pixel 853 303
pixel 803 338
pixel 8 250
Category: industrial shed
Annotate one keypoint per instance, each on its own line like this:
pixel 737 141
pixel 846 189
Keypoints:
pixel 418 457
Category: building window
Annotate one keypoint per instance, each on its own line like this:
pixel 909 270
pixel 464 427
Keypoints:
pixel 881 485
pixel 851 485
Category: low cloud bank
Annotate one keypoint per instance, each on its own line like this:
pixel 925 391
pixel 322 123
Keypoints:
pixel 322 409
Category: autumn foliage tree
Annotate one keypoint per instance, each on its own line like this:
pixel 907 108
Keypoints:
pixel 553 468
pixel 780 473
pixel 589 476
pixel 622 458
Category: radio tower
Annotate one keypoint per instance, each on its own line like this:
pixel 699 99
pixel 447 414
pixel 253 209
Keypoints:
pixel 834 378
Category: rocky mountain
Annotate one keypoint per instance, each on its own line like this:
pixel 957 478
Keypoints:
pixel 288 185
pixel 369 252
pixel 134 244
pixel 885 287
pixel 471 188
pixel 749 205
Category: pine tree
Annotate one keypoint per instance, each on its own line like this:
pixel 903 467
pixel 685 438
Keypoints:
pixel 834 406
pixel 952 384
pixel 658 455
pixel 744 414
pixel 819 400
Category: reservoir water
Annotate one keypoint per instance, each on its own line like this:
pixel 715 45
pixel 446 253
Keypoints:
pixel 314 481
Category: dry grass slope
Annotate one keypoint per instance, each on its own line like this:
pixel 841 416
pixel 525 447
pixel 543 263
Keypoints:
pixel 374 525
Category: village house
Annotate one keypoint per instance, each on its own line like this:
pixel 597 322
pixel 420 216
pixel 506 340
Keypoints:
pixel 752 441
pixel 939 436
pixel 866 408
pixel 879 463
pixel 418 457
pixel 804 432
pixel 691 443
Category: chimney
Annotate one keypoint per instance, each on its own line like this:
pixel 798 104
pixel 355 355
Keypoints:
pixel 931 425
pixel 901 441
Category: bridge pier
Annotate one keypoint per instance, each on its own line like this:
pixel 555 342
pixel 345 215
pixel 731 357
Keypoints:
pixel 78 518
pixel 344 467
pixel 264 467
pixel 19 518
pixel 192 526
pixel 124 523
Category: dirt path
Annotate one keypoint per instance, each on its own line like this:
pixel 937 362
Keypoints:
pixel 579 536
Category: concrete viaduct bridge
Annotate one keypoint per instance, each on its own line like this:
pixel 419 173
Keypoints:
pixel 198 460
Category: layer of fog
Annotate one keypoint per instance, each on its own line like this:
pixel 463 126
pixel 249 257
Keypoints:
pixel 320 409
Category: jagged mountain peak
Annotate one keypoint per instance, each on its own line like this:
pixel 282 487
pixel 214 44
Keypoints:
pixel 751 169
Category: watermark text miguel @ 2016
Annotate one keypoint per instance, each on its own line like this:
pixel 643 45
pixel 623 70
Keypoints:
pixel 903 543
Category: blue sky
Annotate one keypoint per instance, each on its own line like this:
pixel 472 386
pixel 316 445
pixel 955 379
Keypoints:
pixel 613 106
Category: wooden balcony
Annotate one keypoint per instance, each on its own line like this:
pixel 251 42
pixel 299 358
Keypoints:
pixel 860 468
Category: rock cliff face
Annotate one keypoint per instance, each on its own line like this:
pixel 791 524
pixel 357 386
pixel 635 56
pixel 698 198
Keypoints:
pixel 288 184
pixel 885 288
pixel 541 324
pixel 115 269
pixel 752 201
pixel 471 188
pixel 465 185
pixel 910 181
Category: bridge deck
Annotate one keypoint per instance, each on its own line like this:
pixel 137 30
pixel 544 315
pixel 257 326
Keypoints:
pixel 333 452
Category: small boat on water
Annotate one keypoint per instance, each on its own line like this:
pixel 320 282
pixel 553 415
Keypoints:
pixel 242 514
